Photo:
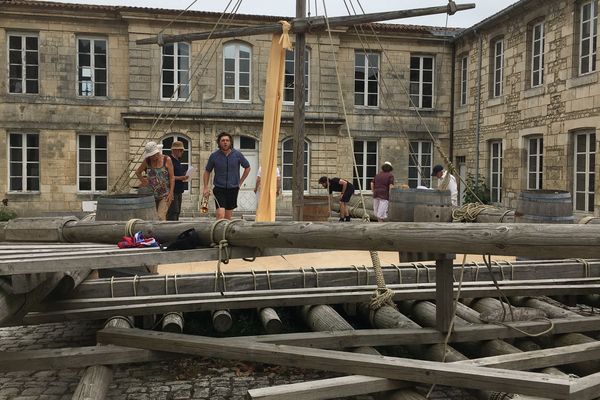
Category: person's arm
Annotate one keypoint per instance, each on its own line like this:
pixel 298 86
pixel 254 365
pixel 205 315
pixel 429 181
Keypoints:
pixel 244 175
pixel 138 173
pixel 372 185
pixel 169 165
pixel 205 178
pixel 344 184
pixel 257 184
pixel 278 185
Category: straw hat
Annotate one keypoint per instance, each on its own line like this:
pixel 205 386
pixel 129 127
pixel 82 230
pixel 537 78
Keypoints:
pixel 151 149
pixel 177 145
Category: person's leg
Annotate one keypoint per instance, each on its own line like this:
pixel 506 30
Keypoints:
pixel 344 213
pixel 220 213
pixel 228 214
pixel 376 209
pixel 384 209
pixel 220 202
pixel 173 212
pixel 162 209
pixel 344 200
pixel 230 202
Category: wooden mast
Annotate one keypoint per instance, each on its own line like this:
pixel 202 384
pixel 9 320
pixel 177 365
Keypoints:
pixel 299 116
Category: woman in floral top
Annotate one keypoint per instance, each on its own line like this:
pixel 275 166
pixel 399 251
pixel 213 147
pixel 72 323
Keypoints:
pixel 159 176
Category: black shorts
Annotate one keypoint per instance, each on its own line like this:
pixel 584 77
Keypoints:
pixel 348 193
pixel 226 198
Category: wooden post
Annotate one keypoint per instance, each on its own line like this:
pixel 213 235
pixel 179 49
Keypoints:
pixel 222 320
pixel 270 320
pixel 95 380
pixel 298 142
pixel 444 290
pixel 173 322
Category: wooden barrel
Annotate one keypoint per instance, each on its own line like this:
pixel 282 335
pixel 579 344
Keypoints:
pixel 123 207
pixel 545 207
pixel 403 201
pixel 316 208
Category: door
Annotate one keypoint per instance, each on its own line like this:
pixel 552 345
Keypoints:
pixel 249 148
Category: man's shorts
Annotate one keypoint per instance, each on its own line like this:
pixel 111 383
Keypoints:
pixel 348 193
pixel 226 198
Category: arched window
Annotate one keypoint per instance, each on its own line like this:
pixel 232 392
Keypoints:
pixel 287 160
pixel 237 58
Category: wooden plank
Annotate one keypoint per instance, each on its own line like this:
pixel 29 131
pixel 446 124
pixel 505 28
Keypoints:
pixel 386 367
pixel 259 301
pixel 77 357
pixel 586 388
pixel 347 276
pixel 344 386
pixel 541 358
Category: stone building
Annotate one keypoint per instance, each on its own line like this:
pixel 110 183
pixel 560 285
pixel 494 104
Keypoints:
pixel 511 100
pixel 531 71
pixel 79 98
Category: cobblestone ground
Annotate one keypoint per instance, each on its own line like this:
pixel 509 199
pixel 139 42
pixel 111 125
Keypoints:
pixel 191 378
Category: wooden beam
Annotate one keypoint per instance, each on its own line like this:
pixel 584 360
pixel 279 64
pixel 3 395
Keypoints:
pixel 444 294
pixel 303 25
pixel 76 357
pixel 519 272
pixel 259 301
pixel 385 367
pixel 586 388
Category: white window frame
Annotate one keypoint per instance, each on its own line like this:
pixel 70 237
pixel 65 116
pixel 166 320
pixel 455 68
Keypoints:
pixel 366 68
pixel 587 61
pixel 363 166
pixel 24 163
pixel 416 157
pixel 498 78
pixel 237 46
pixel 289 178
pixel 587 173
pixel 417 99
pixel 93 163
pixel 289 82
pixel 538 40
pixel 92 67
pixel 496 155
pixel 535 162
pixel 178 86
pixel 23 62
pixel 464 80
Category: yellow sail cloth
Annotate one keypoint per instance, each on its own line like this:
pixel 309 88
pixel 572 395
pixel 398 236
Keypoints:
pixel 265 210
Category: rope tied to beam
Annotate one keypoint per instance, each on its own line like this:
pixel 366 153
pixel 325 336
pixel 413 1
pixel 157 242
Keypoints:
pixel 129 231
pixel 223 246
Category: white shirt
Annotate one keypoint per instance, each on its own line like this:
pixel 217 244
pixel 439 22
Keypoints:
pixel 452 187
pixel 258 173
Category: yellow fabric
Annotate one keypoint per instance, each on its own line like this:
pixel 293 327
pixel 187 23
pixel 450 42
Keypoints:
pixel 265 210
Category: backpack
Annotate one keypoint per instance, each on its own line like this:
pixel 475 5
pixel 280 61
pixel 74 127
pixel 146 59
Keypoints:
pixel 186 240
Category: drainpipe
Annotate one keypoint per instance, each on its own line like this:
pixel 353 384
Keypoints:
pixel 452 88
pixel 478 107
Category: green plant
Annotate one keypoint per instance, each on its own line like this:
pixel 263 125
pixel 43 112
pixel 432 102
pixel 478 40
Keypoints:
pixel 476 192
pixel 5 212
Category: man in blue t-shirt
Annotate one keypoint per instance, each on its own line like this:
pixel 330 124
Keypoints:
pixel 226 162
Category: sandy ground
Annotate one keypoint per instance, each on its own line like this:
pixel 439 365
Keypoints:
pixel 327 259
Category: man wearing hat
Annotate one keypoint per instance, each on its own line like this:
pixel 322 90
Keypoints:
pixel 181 178
pixel 381 185
pixel 446 181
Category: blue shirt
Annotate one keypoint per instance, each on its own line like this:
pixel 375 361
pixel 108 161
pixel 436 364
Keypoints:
pixel 178 170
pixel 227 168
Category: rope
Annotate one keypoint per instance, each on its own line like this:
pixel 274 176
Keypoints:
pixel 129 231
pixel 223 247
pixel 254 278
pixel 316 276
pixel 469 212
pixel 135 285
pixel 383 295
pixel 112 290
pixel 399 273
pixel 586 266
pixel 268 279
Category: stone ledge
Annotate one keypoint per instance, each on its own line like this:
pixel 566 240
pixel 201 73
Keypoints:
pixel 582 80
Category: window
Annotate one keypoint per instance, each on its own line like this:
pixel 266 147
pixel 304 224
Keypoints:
pixel 92 163
pixel 289 84
pixel 236 72
pixel 585 174
pixel 366 79
pixel 175 71
pixel 24 162
pixel 537 55
pixel 365 156
pixel 23 64
pixel 588 32
pixel 420 159
pixel 498 62
pixel 464 80
pixel 535 162
pixel 421 81
pixel 287 158
pixel 91 67
pixel 496 171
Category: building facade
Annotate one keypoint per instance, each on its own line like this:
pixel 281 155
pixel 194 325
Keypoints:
pixel 79 99
pixel 527 98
